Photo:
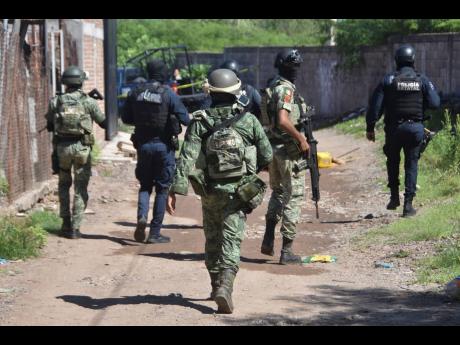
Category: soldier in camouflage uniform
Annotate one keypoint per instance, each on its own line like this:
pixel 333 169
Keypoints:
pixel 281 105
pixel 224 148
pixel 70 117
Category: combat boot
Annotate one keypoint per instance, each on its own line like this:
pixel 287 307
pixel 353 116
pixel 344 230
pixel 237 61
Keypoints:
pixel 408 210
pixel 269 238
pixel 215 282
pixel 287 256
pixel 66 228
pixel 223 296
pixel 139 234
pixel 394 200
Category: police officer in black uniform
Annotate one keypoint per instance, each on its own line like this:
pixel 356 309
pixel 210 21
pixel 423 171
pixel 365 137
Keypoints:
pixel 156 112
pixel 403 96
pixel 251 93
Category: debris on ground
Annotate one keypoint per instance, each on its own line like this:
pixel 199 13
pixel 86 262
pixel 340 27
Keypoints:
pixel 382 264
pixel 3 261
pixel 318 258
pixel 127 148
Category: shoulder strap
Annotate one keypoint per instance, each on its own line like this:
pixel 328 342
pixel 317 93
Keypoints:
pixel 223 124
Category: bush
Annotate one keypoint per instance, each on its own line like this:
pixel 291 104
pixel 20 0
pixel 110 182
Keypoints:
pixel 4 187
pixel 19 239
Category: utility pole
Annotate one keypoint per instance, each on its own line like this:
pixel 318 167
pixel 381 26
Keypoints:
pixel 110 77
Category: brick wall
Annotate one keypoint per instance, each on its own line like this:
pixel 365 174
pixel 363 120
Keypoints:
pixel 93 63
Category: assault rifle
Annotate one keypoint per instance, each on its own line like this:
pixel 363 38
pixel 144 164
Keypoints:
pixel 310 160
pixel 94 93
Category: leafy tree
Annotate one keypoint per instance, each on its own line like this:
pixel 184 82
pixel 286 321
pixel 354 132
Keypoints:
pixel 213 35
pixel 351 34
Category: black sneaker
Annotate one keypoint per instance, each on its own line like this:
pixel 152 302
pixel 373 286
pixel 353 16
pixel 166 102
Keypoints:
pixel 139 234
pixel 158 239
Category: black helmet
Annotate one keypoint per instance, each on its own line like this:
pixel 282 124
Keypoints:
pixel 405 55
pixel 231 65
pixel 224 81
pixel 288 57
pixel 73 76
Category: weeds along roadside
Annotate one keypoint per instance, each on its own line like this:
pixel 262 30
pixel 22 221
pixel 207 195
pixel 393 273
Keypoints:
pixel 438 199
pixel 22 238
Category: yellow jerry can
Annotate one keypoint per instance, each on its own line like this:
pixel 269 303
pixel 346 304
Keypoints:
pixel 324 159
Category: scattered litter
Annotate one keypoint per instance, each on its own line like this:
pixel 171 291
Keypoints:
pixel 338 161
pixel 2 290
pixel 21 214
pixel 324 159
pixel 318 258
pixel 88 211
pixel 453 288
pixel 369 216
pixel 127 149
pixel 3 261
pixel 381 264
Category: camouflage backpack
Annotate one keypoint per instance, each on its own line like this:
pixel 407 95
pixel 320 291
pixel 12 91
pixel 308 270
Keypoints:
pixel 71 118
pixel 225 154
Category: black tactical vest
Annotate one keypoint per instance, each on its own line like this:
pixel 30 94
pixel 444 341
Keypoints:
pixel 150 108
pixel 404 98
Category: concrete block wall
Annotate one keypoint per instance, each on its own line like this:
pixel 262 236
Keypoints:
pixel 334 90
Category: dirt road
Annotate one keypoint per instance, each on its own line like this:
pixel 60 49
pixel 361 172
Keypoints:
pixel 106 278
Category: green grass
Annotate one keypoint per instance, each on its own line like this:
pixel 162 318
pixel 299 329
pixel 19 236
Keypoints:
pixel 439 219
pixel 442 267
pixel 357 128
pixel 21 238
pixel 48 221
pixel 434 223
pixel 4 187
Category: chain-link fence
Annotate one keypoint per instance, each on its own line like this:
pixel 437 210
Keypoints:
pixel 24 94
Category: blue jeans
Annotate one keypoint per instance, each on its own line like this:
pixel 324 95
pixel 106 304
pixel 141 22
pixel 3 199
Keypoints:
pixel 407 136
pixel 155 167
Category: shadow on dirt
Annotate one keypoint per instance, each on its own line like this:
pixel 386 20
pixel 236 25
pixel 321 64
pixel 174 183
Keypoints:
pixel 102 303
pixel 119 240
pixel 362 307
pixel 199 257
pixel 165 226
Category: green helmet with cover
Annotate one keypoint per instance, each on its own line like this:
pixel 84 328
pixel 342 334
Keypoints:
pixel 73 76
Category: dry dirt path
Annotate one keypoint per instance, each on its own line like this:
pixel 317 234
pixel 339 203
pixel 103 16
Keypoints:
pixel 106 278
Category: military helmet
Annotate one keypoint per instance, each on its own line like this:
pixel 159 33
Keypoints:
pixel 288 57
pixel 225 81
pixel 231 65
pixel 405 54
pixel 73 76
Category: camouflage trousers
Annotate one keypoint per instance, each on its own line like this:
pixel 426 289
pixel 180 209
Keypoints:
pixel 288 192
pixel 73 154
pixel 223 223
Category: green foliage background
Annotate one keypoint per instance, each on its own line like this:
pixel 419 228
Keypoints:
pixel 354 33
pixel 213 35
